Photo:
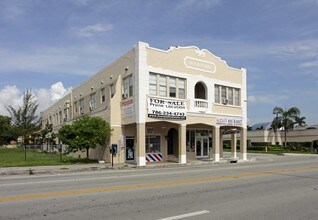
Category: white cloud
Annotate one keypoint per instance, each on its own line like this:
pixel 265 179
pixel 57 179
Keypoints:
pixel 309 64
pixel 91 30
pixel 57 91
pixel 266 99
pixel 80 2
pixel 201 3
pixel 11 95
pixel 302 2
pixel 296 50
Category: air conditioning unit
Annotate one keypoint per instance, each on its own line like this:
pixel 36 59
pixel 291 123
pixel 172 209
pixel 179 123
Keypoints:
pixel 225 101
pixel 125 96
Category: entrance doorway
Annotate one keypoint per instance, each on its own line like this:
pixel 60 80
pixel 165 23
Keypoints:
pixel 202 146
pixel 130 148
pixel 172 141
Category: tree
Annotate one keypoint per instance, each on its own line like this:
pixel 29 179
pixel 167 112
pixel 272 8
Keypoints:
pixel 5 130
pixel 24 118
pixel 47 135
pixel 287 119
pixel 85 133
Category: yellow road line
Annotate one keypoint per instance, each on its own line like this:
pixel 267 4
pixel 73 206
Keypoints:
pixel 149 185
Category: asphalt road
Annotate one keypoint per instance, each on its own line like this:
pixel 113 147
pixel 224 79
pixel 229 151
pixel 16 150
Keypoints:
pixel 273 187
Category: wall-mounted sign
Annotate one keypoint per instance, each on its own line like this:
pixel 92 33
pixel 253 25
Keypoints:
pixel 224 121
pixel 127 108
pixel 200 65
pixel 161 108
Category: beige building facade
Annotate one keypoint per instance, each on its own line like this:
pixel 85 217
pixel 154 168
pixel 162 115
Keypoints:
pixel 163 105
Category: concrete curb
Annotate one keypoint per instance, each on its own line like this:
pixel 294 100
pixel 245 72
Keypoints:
pixel 60 169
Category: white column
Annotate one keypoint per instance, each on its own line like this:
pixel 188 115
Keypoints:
pixel 216 144
pixel 243 144
pixel 221 144
pixel 233 144
pixel 141 144
pixel 182 144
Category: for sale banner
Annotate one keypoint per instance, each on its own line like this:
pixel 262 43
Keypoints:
pixel 162 108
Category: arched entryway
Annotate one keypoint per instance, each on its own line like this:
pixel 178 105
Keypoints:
pixel 172 141
pixel 200 91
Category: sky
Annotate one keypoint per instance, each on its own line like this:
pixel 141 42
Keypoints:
pixel 51 46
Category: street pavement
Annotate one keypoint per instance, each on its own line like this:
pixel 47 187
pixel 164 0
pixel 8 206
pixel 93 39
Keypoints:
pixel 269 187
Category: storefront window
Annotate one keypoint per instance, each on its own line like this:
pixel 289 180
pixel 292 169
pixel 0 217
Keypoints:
pixel 190 140
pixel 153 144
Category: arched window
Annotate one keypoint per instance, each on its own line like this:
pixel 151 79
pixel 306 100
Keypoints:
pixel 200 91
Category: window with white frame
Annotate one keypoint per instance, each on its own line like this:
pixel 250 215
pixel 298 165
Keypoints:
pixel 230 96
pixel 92 102
pixel 167 86
pixel 237 94
pixel 217 94
pixel 152 84
pixel 227 95
pixel 163 86
pixel 60 117
pixel 75 107
pixel 112 90
pixel 181 88
pixel 102 95
pixel 65 115
pixel 128 87
pixel 81 106
pixel 172 87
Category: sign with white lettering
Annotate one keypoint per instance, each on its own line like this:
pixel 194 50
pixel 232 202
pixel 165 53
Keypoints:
pixel 229 122
pixel 161 108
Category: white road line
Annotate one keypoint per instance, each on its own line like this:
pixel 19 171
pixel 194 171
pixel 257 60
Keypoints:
pixel 191 214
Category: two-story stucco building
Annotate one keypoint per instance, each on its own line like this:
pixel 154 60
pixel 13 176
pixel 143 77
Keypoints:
pixel 163 105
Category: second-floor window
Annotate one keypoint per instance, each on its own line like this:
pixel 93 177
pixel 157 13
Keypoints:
pixel 92 103
pixel 128 86
pixel 172 87
pixel 60 117
pixel 81 106
pixel 102 95
pixel 152 84
pixel 167 86
pixel 227 95
pixel 75 107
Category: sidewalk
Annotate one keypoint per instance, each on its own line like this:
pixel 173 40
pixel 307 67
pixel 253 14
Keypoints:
pixel 59 169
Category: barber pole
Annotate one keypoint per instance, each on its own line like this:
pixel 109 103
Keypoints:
pixel 153 157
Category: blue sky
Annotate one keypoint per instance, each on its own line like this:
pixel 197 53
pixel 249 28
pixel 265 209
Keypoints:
pixel 53 45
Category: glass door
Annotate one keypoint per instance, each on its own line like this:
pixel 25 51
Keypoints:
pixel 198 147
pixel 130 149
pixel 205 147
pixel 202 146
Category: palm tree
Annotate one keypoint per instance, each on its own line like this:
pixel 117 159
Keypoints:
pixel 287 119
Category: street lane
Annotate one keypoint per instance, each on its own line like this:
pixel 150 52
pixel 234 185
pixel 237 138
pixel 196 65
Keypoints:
pixel 227 191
